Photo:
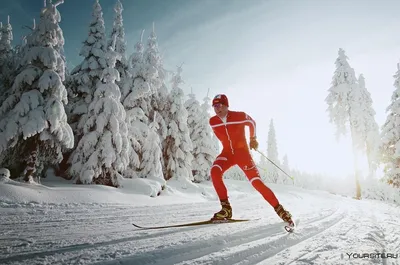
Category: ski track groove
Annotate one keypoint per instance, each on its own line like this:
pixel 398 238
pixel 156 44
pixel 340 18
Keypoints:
pixel 86 216
pixel 260 252
pixel 201 248
pixel 310 250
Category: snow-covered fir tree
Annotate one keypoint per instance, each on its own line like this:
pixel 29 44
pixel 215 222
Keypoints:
pixel 103 151
pixel 201 137
pixel 285 167
pixel 370 137
pixel 136 90
pixel 343 81
pixel 211 142
pixel 7 63
pixel 192 106
pixel 87 74
pixel 20 48
pixel 262 166
pixel 83 80
pixel 140 95
pixel 34 124
pixel 151 166
pixel 118 36
pixel 390 136
pixel 135 99
pixel 6 37
pixel 157 80
pixel 207 109
pixel 344 106
pixel 272 154
pixel 178 148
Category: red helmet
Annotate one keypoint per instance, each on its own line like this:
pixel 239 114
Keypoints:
pixel 222 99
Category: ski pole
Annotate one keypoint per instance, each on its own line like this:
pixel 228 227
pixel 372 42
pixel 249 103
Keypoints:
pixel 274 164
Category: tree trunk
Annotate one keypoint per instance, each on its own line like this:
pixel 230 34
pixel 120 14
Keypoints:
pixel 32 153
pixel 358 187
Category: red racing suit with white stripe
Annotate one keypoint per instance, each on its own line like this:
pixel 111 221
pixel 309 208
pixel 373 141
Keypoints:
pixel 231 133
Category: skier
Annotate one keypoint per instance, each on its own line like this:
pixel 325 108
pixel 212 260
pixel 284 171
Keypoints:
pixel 229 127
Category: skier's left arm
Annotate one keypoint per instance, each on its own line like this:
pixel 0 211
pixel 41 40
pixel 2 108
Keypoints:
pixel 252 125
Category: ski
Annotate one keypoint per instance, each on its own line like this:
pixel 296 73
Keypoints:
pixel 288 228
pixel 208 222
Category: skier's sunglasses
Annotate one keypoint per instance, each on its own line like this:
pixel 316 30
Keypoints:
pixel 218 105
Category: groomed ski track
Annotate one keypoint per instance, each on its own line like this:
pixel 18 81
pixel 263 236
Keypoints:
pixel 330 226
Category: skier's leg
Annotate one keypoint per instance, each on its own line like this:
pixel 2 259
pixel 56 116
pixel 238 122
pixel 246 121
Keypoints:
pixel 246 163
pixel 220 165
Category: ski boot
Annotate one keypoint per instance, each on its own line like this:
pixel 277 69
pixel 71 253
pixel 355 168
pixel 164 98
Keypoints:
pixel 285 216
pixel 225 213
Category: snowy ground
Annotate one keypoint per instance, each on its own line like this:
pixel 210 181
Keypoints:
pixel 69 224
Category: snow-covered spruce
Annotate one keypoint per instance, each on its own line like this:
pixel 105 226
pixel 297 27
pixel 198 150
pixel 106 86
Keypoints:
pixel 117 39
pixel 343 81
pixel 7 60
pixel 178 148
pixel 370 135
pixel 206 113
pixel 83 79
pixel 151 166
pixel 136 88
pixel 390 136
pixel 34 124
pixel 272 154
pixel 156 76
pixel 350 104
pixel 135 99
pixel 285 167
pixel 85 76
pixel 203 152
pixel 103 151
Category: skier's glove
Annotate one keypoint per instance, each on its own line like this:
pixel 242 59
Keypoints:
pixel 253 143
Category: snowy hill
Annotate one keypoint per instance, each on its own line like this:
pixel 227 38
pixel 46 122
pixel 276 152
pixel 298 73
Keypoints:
pixel 53 223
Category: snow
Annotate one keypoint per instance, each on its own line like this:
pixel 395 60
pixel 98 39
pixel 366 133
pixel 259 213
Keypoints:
pixel 58 222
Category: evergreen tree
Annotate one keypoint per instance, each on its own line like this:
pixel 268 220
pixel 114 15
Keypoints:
pixel 157 77
pixel 338 98
pixel 178 147
pixel 83 80
pixel 210 141
pixel 207 111
pixel 200 135
pixel 103 151
pixel 370 137
pixel 34 124
pixel 286 168
pixel 7 63
pixel 344 106
pixel 135 95
pixel 151 166
pixel 192 106
pixel 272 154
pixel 390 136
pixel 86 76
pixel 137 85
pixel 263 167
pixel 118 36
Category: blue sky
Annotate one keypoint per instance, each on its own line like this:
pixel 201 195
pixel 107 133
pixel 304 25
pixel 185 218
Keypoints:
pixel 274 59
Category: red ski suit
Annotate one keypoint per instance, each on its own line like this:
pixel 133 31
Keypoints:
pixel 231 133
